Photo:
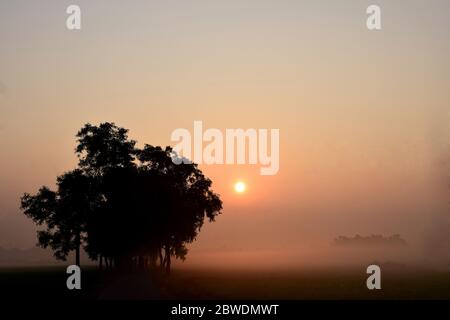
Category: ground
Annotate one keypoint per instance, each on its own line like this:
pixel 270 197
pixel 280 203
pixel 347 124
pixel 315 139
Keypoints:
pixel 184 283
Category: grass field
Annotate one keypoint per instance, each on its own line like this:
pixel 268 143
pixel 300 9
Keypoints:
pixel 330 283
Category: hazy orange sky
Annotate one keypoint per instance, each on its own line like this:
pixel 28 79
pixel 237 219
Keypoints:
pixel 363 115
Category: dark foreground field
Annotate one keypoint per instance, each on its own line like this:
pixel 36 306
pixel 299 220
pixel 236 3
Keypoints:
pixel 398 283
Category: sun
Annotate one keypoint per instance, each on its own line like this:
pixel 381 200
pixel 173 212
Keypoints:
pixel 240 187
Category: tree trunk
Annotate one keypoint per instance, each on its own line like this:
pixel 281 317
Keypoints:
pixel 161 260
pixel 100 264
pixel 167 258
pixel 77 250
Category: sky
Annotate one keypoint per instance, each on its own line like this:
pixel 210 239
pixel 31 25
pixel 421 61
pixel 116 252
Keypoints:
pixel 363 115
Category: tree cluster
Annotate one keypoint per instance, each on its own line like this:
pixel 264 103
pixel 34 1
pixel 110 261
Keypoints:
pixel 126 207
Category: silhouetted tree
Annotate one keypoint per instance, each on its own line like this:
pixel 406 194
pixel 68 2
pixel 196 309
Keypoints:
pixel 64 213
pixel 100 150
pixel 124 205
pixel 104 147
pixel 152 210
pixel 185 199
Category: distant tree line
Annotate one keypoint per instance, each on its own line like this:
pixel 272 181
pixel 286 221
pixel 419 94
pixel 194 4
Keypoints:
pixel 126 207
pixel 372 240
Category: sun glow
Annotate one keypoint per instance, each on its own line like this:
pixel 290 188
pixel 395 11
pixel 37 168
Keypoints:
pixel 240 187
